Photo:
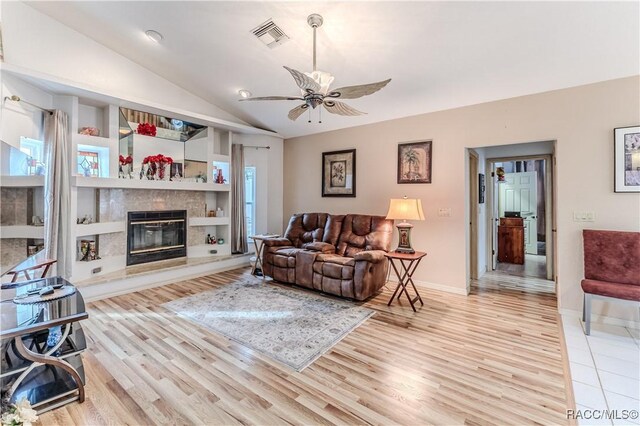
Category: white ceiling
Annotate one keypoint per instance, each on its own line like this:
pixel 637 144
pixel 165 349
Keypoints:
pixel 439 55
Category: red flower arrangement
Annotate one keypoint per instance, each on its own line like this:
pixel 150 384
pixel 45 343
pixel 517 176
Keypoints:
pixel 126 160
pixel 157 163
pixel 146 129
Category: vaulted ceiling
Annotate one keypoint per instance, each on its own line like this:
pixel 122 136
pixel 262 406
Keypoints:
pixel 439 55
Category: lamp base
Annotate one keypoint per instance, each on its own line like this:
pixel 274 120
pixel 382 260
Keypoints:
pixel 404 238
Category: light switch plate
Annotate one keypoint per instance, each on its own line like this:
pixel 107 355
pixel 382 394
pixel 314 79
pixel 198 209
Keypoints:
pixel 444 212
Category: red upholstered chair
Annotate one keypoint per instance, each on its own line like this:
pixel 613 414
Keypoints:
pixel 611 268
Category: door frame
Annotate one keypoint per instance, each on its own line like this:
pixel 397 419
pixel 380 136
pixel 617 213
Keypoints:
pixel 474 163
pixel 550 210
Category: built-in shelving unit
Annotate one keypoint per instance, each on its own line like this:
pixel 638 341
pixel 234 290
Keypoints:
pixel 21 181
pixel 99 228
pixel 209 150
pixel 115 183
pixel 208 221
pixel 22 231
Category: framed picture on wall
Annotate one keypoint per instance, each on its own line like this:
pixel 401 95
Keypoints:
pixel 339 173
pixel 414 162
pixel 627 159
pixel 481 188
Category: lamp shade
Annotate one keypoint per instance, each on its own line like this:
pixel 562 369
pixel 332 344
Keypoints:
pixel 405 209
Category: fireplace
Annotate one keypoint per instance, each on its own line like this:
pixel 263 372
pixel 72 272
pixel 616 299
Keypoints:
pixel 156 235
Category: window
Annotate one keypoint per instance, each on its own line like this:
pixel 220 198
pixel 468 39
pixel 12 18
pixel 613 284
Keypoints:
pixel 250 199
pixel 88 164
pixel 29 159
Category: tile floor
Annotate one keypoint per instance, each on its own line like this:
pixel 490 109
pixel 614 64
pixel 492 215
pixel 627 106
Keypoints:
pixel 605 368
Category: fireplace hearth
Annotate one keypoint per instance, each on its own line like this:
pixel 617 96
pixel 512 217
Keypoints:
pixel 156 235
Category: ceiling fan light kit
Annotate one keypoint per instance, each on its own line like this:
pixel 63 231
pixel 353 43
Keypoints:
pixel 315 87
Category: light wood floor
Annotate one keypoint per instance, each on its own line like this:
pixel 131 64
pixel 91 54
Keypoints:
pixel 534 266
pixel 490 358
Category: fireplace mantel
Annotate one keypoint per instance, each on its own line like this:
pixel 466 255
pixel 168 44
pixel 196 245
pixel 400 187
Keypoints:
pixel 116 183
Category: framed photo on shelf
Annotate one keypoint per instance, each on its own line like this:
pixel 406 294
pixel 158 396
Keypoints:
pixel 339 173
pixel 414 162
pixel 627 159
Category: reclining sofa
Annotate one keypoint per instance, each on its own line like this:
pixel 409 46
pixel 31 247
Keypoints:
pixel 341 255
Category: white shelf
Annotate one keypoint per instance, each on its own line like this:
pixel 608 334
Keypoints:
pixel 87 182
pixel 21 181
pixel 220 158
pixel 203 250
pixel 208 221
pixel 22 231
pixel 95 141
pixel 99 228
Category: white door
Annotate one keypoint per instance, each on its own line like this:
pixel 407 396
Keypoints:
pixel 519 193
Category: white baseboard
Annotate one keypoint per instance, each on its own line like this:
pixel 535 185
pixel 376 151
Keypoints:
pixel 129 285
pixel 601 319
pixel 438 287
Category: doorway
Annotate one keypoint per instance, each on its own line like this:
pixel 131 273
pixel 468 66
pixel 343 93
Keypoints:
pixel 521 216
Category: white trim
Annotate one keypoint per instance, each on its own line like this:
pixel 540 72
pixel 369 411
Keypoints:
pixel 601 319
pixel 109 289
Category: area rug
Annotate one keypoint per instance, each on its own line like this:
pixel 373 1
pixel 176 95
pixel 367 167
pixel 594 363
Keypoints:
pixel 292 326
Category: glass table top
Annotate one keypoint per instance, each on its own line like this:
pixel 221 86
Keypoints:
pixel 19 319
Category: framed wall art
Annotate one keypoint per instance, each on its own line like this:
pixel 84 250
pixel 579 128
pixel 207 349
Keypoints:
pixel 414 162
pixel 481 188
pixel 627 159
pixel 339 173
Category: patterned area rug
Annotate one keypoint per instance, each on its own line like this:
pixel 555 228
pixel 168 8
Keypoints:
pixel 292 326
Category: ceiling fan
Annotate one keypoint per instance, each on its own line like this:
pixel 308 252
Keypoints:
pixel 315 87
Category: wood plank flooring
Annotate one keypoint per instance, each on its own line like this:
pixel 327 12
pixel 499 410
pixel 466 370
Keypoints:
pixel 490 358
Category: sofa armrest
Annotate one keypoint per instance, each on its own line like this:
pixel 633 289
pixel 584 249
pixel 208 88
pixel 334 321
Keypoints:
pixel 373 256
pixel 277 242
pixel 320 246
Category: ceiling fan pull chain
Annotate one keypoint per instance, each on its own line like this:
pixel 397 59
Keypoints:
pixel 309 116
pixel 319 115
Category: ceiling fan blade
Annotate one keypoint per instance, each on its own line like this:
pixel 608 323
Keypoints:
pixel 353 92
pixel 297 112
pixel 273 98
pixel 340 108
pixel 303 81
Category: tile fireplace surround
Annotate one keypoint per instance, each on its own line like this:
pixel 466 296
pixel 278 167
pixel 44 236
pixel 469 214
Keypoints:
pixel 115 203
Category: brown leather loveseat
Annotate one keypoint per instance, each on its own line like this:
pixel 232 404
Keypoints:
pixel 338 254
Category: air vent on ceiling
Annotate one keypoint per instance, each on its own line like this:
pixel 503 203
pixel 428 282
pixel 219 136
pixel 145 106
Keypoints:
pixel 270 34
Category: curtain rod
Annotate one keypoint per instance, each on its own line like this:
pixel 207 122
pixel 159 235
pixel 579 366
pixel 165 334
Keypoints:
pixel 17 99
pixel 256 147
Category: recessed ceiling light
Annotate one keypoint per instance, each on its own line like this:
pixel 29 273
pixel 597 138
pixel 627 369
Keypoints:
pixel 154 35
pixel 244 93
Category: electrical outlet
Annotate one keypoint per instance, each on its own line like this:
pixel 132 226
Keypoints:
pixel 444 212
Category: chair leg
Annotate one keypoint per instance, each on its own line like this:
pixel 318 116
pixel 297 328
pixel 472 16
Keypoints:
pixel 587 313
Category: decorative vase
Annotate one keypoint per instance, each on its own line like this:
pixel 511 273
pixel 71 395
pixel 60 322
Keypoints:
pixel 161 171
pixel 151 171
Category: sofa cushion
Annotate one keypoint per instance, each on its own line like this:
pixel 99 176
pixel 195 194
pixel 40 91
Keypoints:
pixel 320 247
pixel 334 258
pixel 288 251
pixel 609 289
pixel 612 256
pixel 363 232
pixel 306 228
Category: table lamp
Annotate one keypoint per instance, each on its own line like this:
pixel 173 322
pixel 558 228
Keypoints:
pixel 405 209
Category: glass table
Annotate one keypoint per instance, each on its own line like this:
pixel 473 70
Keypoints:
pixel 42 345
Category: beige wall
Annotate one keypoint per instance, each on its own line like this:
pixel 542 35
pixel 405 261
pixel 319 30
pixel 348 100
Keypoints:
pixel 581 120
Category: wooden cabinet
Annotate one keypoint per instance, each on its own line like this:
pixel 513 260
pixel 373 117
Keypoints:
pixel 511 240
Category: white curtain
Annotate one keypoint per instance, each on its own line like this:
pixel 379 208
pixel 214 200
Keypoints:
pixel 238 217
pixel 57 197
